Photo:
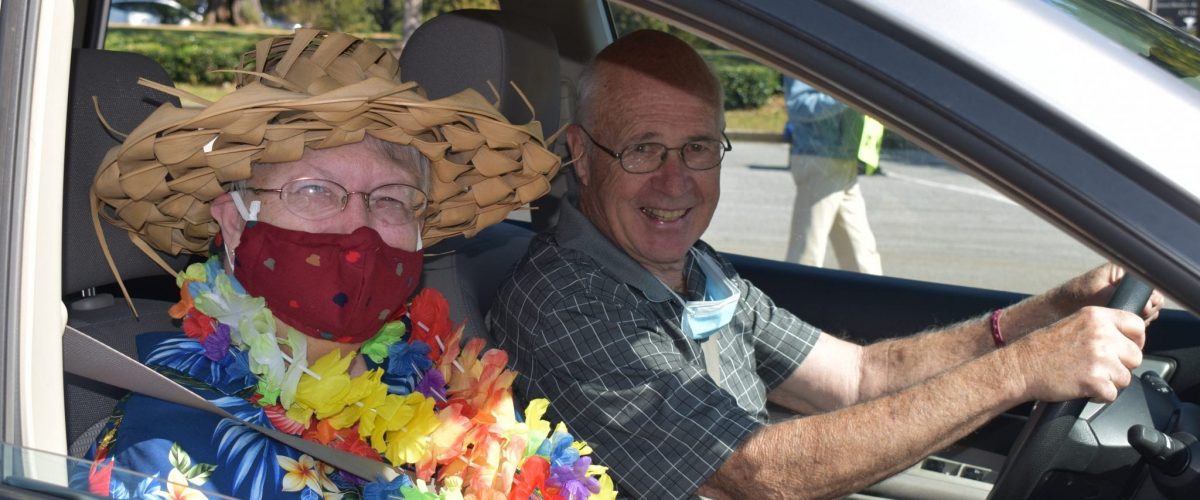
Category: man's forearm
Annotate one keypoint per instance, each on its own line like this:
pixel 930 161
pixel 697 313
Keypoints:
pixel 841 452
pixel 892 365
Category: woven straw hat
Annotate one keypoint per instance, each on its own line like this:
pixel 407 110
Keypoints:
pixel 320 90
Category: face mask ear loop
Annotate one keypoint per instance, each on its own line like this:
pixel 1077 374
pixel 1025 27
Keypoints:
pixel 229 258
pixel 249 215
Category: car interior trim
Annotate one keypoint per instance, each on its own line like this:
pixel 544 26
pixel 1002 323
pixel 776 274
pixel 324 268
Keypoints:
pixel 43 315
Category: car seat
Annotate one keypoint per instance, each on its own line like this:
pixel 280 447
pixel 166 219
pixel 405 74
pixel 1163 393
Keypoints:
pixel 472 48
pixel 94 304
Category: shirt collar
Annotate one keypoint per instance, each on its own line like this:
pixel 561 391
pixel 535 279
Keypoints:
pixel 576 232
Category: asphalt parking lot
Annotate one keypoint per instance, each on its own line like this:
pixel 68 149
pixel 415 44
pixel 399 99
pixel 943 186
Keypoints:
pixel 932 222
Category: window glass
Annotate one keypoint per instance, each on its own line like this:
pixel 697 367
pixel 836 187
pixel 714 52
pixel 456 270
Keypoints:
pixel 929 220
pixel 190 38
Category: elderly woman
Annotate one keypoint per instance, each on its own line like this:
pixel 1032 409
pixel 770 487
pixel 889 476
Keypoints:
pixel 316 184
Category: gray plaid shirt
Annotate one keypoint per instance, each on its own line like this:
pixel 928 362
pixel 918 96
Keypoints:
pixel 597 334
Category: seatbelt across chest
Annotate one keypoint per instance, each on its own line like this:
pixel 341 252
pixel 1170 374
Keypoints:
pixel 90 358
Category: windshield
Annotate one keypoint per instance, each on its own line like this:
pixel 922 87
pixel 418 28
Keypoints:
pixel 1141 32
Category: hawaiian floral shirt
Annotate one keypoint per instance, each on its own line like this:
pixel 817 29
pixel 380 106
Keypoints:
pixel 209 453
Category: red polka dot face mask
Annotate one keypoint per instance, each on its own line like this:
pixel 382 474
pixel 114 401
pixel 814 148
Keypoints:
pixel 340 287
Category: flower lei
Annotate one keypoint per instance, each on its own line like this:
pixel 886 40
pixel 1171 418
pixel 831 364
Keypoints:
pixel 426 403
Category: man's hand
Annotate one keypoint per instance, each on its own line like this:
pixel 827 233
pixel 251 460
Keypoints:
pixel 1088 354
pixel 1096 287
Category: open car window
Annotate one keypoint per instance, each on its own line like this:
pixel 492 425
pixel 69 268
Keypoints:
pixel 931 220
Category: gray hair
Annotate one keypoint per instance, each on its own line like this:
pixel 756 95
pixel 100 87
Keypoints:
pixel 408 157
pixel 587 87
pixel 405 157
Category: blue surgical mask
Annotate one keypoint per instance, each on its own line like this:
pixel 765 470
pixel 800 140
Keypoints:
pixel 702 318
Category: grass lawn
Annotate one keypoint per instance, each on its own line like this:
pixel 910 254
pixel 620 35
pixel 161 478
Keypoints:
pixel 209 92
pixel 769 118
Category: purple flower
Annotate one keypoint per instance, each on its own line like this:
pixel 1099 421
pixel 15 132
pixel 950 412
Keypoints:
pixel 432 385
pixel 573 480
pixel 347 479
pixel 216 346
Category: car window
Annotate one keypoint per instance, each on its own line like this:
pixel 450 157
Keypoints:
pixel 929 220
pixel 180 37
pixel 151 12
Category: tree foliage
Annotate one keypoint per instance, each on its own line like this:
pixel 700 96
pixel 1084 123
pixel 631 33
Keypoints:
pixel 628 20
pixel 337 15
pixel 360 16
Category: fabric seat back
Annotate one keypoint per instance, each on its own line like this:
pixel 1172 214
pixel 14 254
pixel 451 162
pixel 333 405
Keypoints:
pixel 111 78
pixel 470 48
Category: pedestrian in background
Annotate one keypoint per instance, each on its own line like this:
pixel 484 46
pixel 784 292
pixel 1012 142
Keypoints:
pixel 827 139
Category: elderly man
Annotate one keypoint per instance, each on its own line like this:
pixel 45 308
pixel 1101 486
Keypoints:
pixel 658 354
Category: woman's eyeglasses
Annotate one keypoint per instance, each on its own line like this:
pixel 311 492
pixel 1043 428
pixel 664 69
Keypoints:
pixel 316 199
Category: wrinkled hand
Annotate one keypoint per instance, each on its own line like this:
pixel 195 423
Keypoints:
pixel 1096 287
pixel 1086 355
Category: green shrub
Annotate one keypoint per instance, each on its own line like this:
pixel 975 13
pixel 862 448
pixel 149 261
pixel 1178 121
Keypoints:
pixel 190 56
pixel 746 84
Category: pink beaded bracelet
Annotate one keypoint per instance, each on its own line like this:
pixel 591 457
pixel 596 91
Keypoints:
pixel 997 337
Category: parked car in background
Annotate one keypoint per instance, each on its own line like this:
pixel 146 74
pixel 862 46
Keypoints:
pixel 151 13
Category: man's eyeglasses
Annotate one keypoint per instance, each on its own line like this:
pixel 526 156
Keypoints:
pixel 316 199
pixel 646 157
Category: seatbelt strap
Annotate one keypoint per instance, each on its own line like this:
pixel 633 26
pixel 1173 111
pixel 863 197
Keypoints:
pixel 90 358
pixel 712 358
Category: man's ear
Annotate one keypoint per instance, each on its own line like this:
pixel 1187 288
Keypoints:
pixel 578 146
pixel 227 216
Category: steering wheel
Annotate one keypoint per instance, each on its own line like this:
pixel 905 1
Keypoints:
pixel 1047 442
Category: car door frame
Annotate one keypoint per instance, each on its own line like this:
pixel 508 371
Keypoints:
pixel 36 38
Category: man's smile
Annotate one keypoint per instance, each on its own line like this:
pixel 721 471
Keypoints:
pixel 663 215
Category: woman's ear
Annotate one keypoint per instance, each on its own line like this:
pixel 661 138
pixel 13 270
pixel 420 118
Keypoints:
pixel 231 222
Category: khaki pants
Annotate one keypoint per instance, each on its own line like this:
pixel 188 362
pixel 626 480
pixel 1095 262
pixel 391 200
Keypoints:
pixel 829 209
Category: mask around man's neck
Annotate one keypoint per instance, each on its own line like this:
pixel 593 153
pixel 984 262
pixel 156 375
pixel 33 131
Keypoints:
pixel 702 318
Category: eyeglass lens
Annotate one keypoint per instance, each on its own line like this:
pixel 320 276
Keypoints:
pixel 647 157
pixel 316 199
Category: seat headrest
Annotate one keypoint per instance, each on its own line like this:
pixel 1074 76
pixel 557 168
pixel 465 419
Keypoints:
pixel 111 77
pixel 468 48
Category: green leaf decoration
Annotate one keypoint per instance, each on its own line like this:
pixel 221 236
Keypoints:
pixel 377 347
pixel 198 474
pixel 179 459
